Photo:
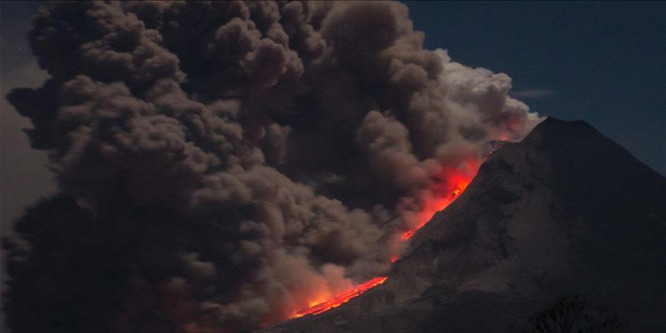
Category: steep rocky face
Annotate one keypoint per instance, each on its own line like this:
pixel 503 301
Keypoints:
pixel 564 212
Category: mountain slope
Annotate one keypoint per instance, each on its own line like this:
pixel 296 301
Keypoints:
pixel 564 212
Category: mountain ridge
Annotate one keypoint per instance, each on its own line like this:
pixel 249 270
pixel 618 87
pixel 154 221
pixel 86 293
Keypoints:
pixel 564 212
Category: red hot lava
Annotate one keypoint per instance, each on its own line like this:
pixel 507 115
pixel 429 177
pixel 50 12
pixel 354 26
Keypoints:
pixel 340 299
pixel 440 196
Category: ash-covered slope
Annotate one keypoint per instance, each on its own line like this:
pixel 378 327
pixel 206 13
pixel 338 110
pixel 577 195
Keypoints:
pixel 564 212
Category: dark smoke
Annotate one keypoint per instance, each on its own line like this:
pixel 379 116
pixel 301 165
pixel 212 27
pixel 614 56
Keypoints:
pixel 222 162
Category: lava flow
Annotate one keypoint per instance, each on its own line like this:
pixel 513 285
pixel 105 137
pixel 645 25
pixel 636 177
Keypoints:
pixel 440 197
pixel 439 202
pixel 341 299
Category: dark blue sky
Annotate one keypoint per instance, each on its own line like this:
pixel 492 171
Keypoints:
pixel 605 62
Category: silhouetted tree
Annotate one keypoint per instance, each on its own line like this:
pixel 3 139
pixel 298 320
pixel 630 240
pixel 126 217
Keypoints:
pixel 568 315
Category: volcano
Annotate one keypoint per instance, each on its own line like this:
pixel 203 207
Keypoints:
pixel 565 212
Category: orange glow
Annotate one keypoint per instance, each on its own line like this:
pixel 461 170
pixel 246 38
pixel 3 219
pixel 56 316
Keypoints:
pixel 443 191
pixel 435 205
pixel 318 308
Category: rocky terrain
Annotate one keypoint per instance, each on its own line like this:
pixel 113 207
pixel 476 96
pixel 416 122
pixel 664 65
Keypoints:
pixel 565 212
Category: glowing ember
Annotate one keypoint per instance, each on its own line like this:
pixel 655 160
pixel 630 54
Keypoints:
pixel 341 299
pixel 440 196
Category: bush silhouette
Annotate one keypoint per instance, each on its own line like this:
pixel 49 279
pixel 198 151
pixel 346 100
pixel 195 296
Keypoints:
pixel 568 315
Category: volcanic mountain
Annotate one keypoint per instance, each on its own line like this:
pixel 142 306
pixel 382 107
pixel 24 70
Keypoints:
pixel 565 212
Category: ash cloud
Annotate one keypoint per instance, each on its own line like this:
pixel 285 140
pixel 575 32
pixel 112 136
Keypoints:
pixel 222 163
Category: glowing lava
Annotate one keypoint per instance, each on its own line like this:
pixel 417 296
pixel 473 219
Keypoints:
pixel 340 299
pixel 435 205
pixel 441 194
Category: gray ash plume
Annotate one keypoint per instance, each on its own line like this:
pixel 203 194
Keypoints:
pixel 222 162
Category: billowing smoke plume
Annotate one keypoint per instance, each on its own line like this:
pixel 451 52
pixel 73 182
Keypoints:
pixel 224 164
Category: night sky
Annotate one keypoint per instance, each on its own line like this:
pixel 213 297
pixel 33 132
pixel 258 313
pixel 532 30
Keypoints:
pixel 600 62
pixel 603 62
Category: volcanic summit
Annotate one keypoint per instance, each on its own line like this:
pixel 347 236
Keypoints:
pixel 565 212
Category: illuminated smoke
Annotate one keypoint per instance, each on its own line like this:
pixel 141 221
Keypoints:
pixel 333 301
pixel 251 155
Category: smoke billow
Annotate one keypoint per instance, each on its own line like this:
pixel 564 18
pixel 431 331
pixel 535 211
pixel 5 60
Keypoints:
pixel 224 164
